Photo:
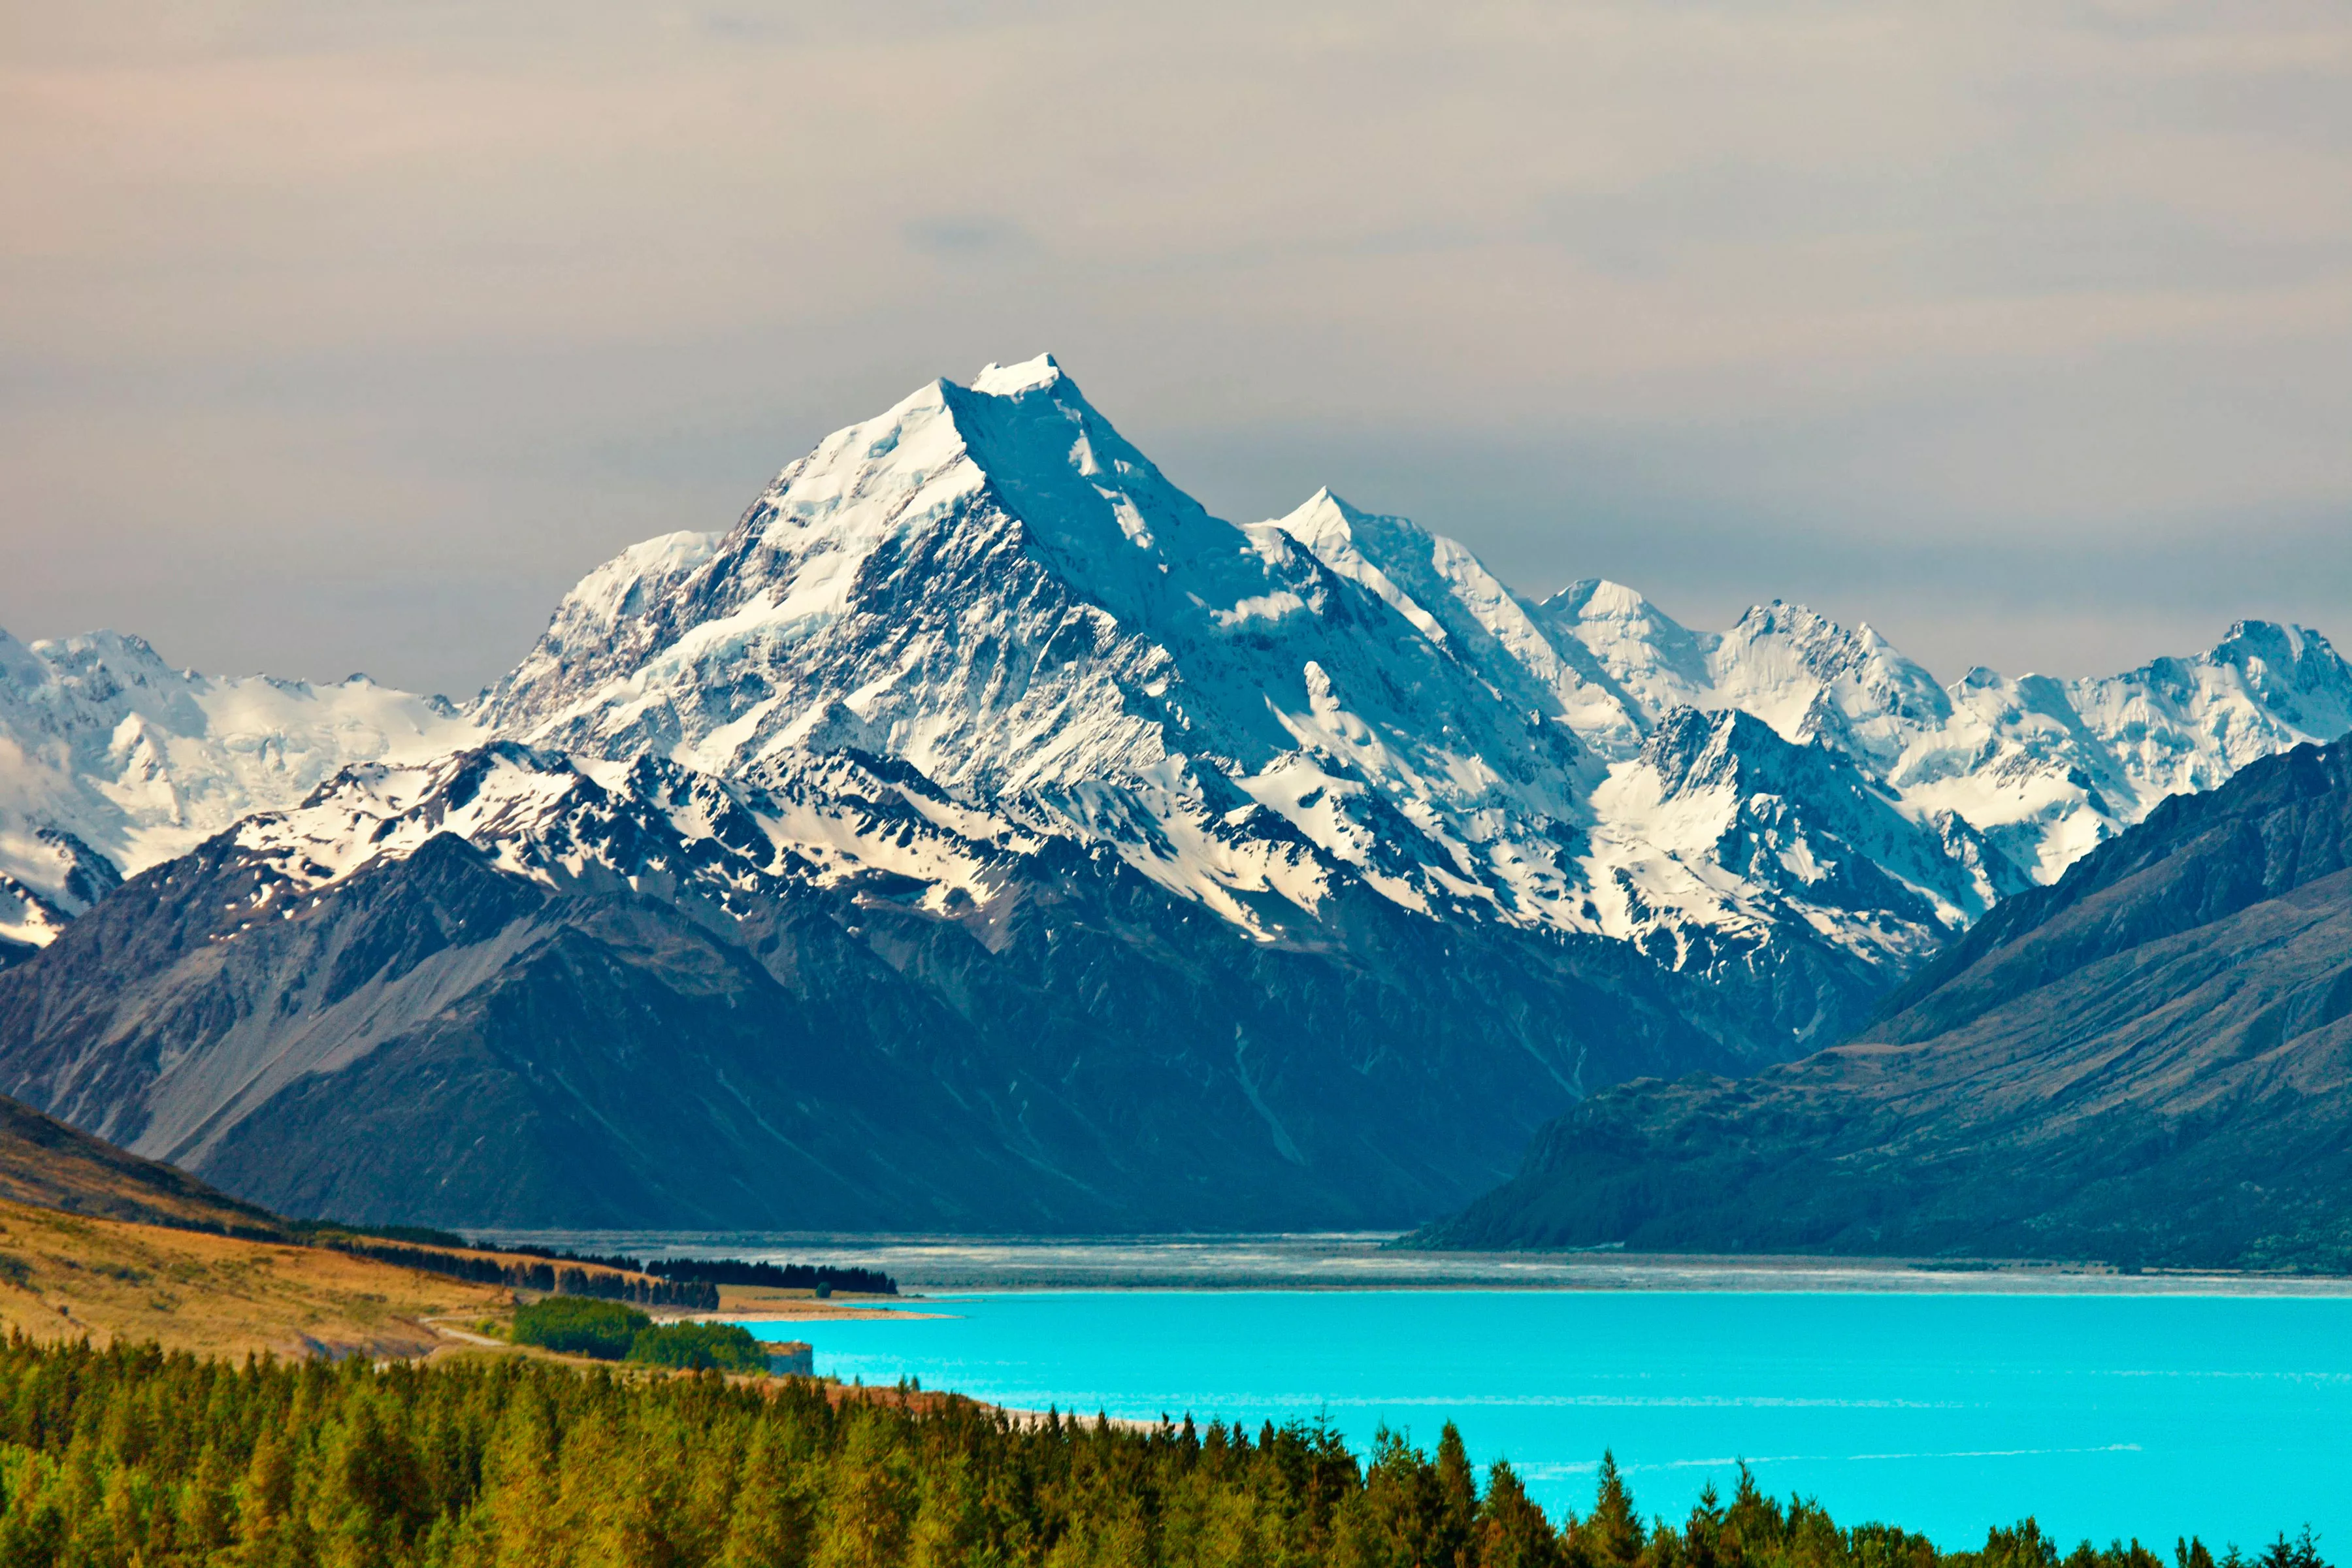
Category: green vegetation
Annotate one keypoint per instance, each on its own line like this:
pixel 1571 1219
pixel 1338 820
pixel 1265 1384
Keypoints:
pixel 610 1332
pixel 113 1457
pixel 699 1347
pixel 580 1325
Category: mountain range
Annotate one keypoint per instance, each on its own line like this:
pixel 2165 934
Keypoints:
pixel 980 834
pixel 2146 1063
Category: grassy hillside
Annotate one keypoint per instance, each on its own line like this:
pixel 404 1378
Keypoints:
pixel 64 1276
pixel 99 1243
pixel 48 1165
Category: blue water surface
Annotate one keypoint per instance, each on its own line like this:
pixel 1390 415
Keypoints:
pixel 2104 1417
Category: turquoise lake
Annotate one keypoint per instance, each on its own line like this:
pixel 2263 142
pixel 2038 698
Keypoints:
pixel 2101 1416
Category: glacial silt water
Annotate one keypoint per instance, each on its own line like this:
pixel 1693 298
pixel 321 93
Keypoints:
pixel 2101 1416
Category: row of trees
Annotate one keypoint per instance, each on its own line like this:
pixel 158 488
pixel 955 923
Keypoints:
pixel 821 1277
pixel 517 1274
pixel 133 1456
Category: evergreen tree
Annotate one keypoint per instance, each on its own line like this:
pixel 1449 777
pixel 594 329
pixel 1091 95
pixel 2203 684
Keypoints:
pixel 866 1501
pixel 772 1523
pixel 1611 1536
pixel 1512 1530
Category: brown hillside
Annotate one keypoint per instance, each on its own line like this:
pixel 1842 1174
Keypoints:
pixel 216 1294
pixel 48 1164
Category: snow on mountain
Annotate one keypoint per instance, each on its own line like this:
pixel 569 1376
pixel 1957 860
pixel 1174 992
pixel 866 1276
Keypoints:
pixel 990 585
pixel 2051 769
pixel 111 761
pixel 1721 830
pixel 993 586
pixel 646 823
pixel 1800 672
pixel 2044 770
pixel 1449 596
pixel 992 597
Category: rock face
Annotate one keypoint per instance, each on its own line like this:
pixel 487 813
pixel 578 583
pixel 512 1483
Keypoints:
pixel 2147 1063
pixel 1046 819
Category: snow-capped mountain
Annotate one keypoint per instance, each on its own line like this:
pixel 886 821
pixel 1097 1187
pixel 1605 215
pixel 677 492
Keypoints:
pixel 2044 769
pixel 979 830
pixel 992 585
pixel 2049 770
pixel 991 588
pixel 111 760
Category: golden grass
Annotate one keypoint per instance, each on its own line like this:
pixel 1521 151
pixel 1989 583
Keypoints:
pixel 45 1163
pixel 65 1276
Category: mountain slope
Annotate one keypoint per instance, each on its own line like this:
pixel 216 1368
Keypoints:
pixel 990 585
pixel 2148 1062
pixel 98 1243
pixel 979 790
pixel 48 1164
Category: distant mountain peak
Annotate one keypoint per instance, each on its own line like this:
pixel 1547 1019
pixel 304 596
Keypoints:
pixel 1012 380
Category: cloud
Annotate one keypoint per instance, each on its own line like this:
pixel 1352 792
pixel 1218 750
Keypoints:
pixel 450 302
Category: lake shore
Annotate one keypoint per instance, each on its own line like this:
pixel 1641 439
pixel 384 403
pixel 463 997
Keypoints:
pixel 1360 1261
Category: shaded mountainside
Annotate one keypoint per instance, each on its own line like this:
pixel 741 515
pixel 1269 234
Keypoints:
pixel 2150 1062
pixel 626 1004
pixel 46 1164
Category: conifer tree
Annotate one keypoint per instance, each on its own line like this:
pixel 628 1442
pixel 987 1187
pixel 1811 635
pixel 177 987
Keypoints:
pixel 866 1500
pixel 772 1523
pixel 1512 1530
pixel 1611 1536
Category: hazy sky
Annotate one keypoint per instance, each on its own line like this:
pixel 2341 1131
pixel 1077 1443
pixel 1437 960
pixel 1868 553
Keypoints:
pixel 347 336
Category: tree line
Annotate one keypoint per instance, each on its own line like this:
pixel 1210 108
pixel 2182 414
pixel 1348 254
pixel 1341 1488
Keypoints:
pixel 825 1276
pixel 534 1274
pixel 130 1456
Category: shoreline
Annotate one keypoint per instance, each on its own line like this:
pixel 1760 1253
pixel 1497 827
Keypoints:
pixel 936 1264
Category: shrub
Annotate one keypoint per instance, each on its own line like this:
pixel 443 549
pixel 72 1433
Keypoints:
pixel 580 1325
pixel 701 1347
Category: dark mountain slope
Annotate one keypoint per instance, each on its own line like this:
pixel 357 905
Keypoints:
pixel 48 1164
pixel 626 1005
pixel 2150 1062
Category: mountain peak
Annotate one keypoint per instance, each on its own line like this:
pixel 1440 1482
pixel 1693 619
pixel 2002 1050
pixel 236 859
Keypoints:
pixel 1328 515
pixel 1598 598
pixel 1326 500
pixel 1011 380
